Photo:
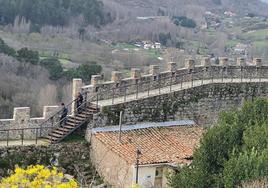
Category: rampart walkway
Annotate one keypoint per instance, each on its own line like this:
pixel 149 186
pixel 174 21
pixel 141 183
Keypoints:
pixel 172 88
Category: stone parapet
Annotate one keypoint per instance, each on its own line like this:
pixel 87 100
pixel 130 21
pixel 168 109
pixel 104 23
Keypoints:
pixel 224 61
pixel 154 69
pixel 22 120
pixel 157 78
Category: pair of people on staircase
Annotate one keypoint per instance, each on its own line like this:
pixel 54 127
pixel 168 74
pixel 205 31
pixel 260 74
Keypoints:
pixel 79 102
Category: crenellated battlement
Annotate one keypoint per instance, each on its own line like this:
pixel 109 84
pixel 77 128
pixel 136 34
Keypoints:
pixel 154 89
pixel 119 86
pixel 21 119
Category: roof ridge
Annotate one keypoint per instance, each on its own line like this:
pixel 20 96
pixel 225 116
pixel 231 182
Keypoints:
pixel 144 126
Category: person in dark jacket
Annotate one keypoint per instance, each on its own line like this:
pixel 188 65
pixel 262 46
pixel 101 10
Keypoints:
pixel 79 102
pixel 64 114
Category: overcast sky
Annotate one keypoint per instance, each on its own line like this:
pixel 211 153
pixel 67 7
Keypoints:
pixel 265 1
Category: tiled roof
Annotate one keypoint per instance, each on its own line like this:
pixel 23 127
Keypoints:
pixel 158 144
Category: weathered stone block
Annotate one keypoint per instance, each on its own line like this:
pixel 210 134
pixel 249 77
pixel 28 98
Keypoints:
pixel 257 62
pixel 116 76
pixel 96 79
pixel 77 87
pixel 154 69
pixel 206 62
pixel 49 111
pixel 22 116
pixel 171 66
pixel 135 73
pixel 189 64
pixel 224 61
pixel 241 61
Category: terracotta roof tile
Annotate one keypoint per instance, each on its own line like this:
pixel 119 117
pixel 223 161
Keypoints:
pixel 173 144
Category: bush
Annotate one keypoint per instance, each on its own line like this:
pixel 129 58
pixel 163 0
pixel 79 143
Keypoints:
pixel 84 71
pixel 36 177
pixel 184 21
pixel 233 152
pixel 54 68
pixel 5 49
pixel 27 55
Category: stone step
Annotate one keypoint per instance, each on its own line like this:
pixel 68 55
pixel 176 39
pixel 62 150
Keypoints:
pixel 59 132
pixel 77 118
pixel 73 124
pixel 69 127
pixel 63 129
pixel 55 135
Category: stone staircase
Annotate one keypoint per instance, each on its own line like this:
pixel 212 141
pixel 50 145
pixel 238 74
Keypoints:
pixel 72 123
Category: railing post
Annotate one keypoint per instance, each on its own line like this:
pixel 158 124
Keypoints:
pixel 159 85
pixel 171 83
pixel 259 74
pixel 113 96
pixel 125 93
pixel 241 74
pixel 97 104
pixel 181 81
pixel 7 137
pixel 22 136
pixel 222 74
pixel 36 135
pixel 149 86
pixel 212 75
pixel 192 79
pixel 202 82
pixel 137 90
pixel 41 127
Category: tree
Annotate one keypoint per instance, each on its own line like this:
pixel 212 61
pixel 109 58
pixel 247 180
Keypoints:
pixel 164 38
pixel 4 48
pixel 54 68
pixel 233 152
pixel 27 55
pixel 84 71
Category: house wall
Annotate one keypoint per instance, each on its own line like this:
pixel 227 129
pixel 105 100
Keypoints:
pixel 146 176
pixel 114 169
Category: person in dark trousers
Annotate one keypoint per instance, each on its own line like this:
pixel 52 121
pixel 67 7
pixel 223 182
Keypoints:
pixel 79 102
pixel 63 115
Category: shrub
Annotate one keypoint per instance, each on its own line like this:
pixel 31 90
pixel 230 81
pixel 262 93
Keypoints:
pixel 37 177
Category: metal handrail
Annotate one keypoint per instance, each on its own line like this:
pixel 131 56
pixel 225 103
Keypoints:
pixel 60 111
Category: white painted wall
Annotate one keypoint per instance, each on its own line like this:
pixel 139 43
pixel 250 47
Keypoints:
pixel 146 176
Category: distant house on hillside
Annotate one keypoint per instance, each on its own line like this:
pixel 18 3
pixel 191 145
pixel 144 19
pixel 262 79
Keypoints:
pixel 240 48
pixel 163 147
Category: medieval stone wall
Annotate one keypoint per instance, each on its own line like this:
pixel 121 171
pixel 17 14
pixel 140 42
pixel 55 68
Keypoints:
pixel 202 104
pixel 22 123
pixel 118 87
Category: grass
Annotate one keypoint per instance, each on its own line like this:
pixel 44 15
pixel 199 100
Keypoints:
pixel 256 35
pixel 74 138
pixel 261 44
pixel 231 43
pixel 125 45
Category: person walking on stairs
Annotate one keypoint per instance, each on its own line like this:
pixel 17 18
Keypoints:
pixel 64 114
pixel 79 102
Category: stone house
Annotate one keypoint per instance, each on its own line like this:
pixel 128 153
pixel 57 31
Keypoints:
pixel 163 147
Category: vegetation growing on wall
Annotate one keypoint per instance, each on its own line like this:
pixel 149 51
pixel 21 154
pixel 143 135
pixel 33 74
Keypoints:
pixel 234 152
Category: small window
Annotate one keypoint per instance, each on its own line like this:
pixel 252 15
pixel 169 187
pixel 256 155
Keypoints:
pixel 117 85
pixel 155 78
pixel 159 172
